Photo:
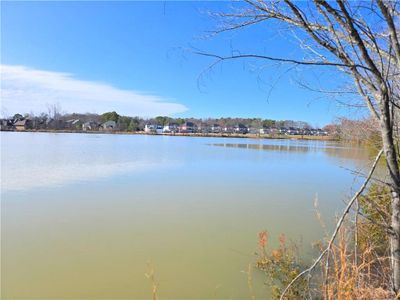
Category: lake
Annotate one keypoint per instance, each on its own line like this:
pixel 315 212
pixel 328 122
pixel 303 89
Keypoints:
pixel 82 215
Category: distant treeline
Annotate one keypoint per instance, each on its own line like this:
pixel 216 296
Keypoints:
pixel 55 120
pixel 344 129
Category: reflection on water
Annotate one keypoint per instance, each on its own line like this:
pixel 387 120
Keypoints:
pixel 328 148
pixel 82 214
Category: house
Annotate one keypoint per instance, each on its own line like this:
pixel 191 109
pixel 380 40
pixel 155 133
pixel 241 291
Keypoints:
pixel 254 130
pixel 188 127
pixel 90 126
pixel 150 128
pixel 293 131
pixel 109 125
pixel 240 128
pixel 23 124
pixel 269 130
pixel 153 128
pixel 216 128
pixel 203 128
pixel 321 132
pixel 6 124
pixel 73 124
pixel 171 127
pixel 228 129
pixel 283 130
pixel 266 130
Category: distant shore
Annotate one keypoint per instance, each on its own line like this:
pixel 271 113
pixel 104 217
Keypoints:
pixel 218 135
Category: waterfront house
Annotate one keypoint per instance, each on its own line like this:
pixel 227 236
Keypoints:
pixel 171 128
pixel 3 124
pixel 23 124
pixel 90 126
pixel 228 129
pixel 109 126
pixel 283 130
pixel 240 128
pixel 6 124
pixel 188 127
pixel 269 130
pixel 153 128
pixel 320 132
pixel 203 128
pixel 266 130
pixel 293 131
pixel 216 128
pixel 73 124
pixel 150 128
pixel 254 130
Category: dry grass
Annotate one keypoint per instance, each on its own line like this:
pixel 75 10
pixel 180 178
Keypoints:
pixel 356 266
pixel 346 278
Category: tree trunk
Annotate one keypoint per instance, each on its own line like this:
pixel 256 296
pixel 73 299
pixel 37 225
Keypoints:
pixel 395 241
pixel 394 181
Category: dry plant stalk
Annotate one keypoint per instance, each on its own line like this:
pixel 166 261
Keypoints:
pixel 150 275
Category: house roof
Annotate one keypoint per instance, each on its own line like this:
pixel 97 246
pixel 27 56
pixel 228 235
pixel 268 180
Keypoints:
pixel 20 123
pixel 90 123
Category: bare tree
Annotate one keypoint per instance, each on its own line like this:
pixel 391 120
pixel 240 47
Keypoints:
pixel 360 39
pixel 54 110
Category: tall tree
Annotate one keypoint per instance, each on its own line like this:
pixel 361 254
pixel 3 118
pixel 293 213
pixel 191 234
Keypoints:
pixel 357 38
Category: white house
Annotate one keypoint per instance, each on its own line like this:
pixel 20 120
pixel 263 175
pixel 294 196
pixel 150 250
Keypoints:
pixel 153 128
pixel 171 127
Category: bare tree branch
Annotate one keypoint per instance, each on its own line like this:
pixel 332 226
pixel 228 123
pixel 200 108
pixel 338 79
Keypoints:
pixel 283 60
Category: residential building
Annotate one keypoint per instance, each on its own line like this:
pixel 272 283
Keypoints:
pixel 90 126
pixel 153 128
pixel 240 128
pixel 109 126
pixel 171 128
pixel 188 127
pixel 216 128
pixel 23 124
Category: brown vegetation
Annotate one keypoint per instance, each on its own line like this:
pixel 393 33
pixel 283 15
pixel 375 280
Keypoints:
pixel 358 266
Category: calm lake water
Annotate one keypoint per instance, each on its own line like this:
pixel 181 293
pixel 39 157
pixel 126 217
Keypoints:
pixel 83 214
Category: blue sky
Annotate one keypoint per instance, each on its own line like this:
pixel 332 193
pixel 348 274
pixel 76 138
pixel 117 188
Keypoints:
pixel 132 57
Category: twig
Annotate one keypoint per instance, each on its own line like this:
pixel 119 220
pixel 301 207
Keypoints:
pixel 356 234
pixel 338 225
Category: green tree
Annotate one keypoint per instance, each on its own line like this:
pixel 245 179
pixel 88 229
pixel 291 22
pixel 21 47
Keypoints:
pixel 162 120
pixel 133 125
pixel 180 121
pixel 110 116
pixel 269 123
pixel 124 122
pixel 17 117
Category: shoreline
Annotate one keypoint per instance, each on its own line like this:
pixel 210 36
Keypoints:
pixel 216 135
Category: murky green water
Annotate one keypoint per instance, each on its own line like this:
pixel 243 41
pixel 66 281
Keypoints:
pixel 81 215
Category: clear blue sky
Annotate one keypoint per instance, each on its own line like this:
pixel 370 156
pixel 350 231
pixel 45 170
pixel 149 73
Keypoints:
pixel 131 57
